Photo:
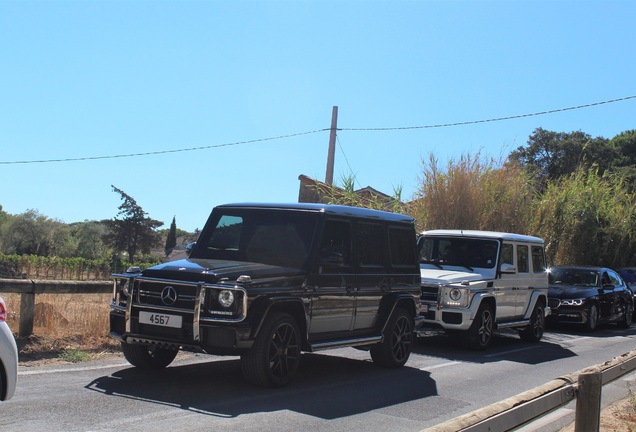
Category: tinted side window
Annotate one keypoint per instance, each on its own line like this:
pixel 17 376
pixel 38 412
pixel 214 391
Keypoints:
pixel 335 246
pixel 370 244
pixel 538 259
pixel 401 247
pixel 507 254
pixel 614 279
pixel 522 259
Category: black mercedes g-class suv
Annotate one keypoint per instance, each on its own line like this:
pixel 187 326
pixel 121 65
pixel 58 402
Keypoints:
pixel 268 281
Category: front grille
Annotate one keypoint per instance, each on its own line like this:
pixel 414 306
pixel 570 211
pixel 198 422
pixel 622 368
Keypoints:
pixel 554 303
pixel 429 293
pixel 199 301
pixel 150 293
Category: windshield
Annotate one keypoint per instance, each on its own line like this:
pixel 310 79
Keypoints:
pixel 579 277
pixel 454 251
pixel 264 236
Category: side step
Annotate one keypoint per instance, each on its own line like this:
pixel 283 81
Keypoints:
pixel 513 324
pixel 318 346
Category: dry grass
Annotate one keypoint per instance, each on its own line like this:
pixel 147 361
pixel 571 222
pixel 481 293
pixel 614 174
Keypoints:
pixel 618 417
pixel 63 322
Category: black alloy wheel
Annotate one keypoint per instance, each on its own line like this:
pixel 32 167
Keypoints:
pixel 395 349
pixel 274 358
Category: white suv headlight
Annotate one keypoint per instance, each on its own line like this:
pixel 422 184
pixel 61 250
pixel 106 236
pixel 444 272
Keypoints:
pixel 455 296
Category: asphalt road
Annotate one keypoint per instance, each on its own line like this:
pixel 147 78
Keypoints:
pixel 338 390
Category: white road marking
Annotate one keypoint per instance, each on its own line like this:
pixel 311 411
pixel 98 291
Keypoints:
pixel 76 369
pixel 441 365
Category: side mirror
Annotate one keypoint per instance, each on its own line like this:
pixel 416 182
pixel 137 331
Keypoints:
pixel 189 248
pixel 508 268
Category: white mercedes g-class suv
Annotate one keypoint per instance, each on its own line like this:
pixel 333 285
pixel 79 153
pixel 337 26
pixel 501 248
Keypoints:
pixel 474 282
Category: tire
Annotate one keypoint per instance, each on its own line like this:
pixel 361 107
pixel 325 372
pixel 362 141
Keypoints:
pixel 274 358
pixel 534 331
pixel 148 357
pixel 626 319
pixel 479 335
pixel 395 348
pixel 592 318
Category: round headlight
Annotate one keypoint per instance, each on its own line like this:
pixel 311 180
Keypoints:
pixel 455 294
pixel 226 298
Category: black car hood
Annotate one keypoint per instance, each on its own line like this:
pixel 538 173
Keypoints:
pixel 571 292
pixel 210 271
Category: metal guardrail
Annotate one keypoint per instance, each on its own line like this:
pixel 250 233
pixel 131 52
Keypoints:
pixel 516 411
pixel 28 289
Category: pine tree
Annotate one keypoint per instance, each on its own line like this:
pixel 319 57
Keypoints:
pixel 134 231
pixel 171 241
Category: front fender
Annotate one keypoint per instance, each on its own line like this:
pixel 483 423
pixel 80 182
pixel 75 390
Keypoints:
pixel 291 305
pixel 476 301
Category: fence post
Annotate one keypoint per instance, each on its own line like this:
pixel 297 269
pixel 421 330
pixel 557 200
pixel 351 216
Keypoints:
pixel 588 402
pixel 27 312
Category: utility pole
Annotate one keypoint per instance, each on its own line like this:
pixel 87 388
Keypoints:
pixel 332 146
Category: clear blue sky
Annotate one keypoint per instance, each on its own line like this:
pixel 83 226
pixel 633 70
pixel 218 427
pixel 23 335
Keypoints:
pixel 94 79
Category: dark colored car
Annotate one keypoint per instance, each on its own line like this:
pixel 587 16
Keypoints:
pixel 589 296
pixel 267 281
pixel 629 275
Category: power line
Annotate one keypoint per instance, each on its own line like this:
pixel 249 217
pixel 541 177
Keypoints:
pixel 165 151
pixel 492 119
pixel 159 152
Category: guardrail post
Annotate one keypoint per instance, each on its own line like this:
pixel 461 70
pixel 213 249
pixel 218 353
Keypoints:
pixel 27 313
pixel 588 402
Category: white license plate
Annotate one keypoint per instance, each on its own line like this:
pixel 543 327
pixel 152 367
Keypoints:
pixel 423 308
pixel 158 319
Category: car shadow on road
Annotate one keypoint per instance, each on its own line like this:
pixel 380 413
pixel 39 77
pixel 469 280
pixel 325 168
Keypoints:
pixel 506 345
pixel 326 386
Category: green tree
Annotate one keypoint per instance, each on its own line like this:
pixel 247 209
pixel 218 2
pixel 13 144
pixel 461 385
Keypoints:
pixel 625 164
pixel 586 219
pixel 88 236
pixel 131 231
pixel 171 239
pixel 32 233
pixel 551 155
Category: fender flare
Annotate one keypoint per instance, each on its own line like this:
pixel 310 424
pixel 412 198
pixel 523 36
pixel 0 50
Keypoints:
pixel 478 298
pixel 534 298
pixel 292 305
pixel 391 303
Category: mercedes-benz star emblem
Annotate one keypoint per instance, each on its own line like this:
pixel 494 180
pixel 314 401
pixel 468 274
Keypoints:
pixel 169 295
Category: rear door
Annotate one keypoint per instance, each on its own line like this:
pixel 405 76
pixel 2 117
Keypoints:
pixel 525 280
pixel 333 282
pixel 373 281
